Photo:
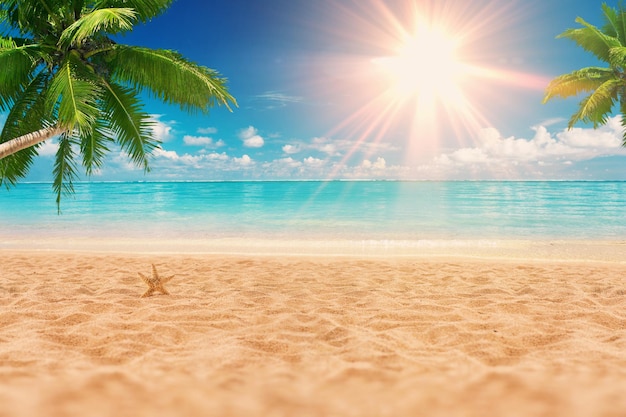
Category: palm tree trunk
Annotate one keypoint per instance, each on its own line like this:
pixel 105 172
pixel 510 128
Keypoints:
pixel 27 140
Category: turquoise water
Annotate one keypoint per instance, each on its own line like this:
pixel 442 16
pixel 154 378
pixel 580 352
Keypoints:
pixel 327 210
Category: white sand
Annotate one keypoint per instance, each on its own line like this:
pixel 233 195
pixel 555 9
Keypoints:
pixel 506 333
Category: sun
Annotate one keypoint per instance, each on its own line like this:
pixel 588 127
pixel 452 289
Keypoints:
pixel 417 75
pixel 426 65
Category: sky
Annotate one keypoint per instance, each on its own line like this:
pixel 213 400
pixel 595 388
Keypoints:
pixel 374 89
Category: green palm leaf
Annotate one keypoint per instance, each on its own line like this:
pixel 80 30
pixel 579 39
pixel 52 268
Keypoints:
pixel 75 97
pixel 583 80
pixel 16 166
pixel 615 22
pixel 113 20
pixel 129 123
pixel 94 146
pixel 597 106
pixel 64 170
pixel 4 17
pixel 16 66
pixel 612 25
pixel 6 43
pixel 591 39
pixel 623 121
pixel 28 114
pixel 145 9
pixel 32 17
pixel 170 77
pixel 617 57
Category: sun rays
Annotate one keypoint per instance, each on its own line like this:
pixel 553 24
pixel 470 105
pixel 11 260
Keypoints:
pixel 424 64
pixel 419 74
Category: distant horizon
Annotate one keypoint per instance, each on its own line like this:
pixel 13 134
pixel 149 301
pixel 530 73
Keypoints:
pixel 318 180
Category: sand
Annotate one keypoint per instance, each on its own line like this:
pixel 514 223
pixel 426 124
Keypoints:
pixel 269 335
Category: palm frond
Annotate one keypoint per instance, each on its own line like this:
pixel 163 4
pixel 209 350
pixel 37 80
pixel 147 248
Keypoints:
pixel 615 22
pixel 617 57
pixel 7 43
pixel 170 77
pixel 112 20
pixel 623 121
pixel 4 17
pixel 611 25
pixel 597 106
pixel 16 66
pixel 64 171
pixel 145 9
pixel 591 39
pixel 15 167
pixel 32 17
pixel 130 125
pixel 75 96
pixel 583 80
pixel 94 146
pixel 28 113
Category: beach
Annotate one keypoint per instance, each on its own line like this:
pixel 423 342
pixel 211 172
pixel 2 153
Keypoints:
pixel 504 331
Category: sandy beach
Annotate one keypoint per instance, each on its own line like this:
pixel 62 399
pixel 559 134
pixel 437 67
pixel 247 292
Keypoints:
pixel 274 335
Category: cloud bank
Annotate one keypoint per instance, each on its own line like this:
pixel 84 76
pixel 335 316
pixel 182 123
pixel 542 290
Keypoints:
pixel 549 153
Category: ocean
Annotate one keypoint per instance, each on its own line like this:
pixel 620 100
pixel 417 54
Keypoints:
pixel 347 210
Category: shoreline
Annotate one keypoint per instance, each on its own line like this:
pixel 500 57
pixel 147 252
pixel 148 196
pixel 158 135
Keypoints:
pixel 609 251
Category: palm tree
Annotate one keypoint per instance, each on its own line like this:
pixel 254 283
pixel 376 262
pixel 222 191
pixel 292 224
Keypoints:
pixel 607 86
pixel 64 76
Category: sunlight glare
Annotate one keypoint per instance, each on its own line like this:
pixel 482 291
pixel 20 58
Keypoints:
pixel 425 64
pixel 418 74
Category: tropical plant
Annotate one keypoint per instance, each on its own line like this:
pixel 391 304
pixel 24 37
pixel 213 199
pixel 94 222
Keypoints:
pixel 607 86
pixel 63 75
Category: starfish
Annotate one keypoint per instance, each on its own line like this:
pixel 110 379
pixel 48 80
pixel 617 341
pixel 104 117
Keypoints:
pixel 155 283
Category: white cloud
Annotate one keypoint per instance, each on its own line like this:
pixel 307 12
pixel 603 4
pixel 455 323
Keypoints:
pixel 121 162
pixel 313 162
pixel 283 167
pixel 289 162
pixel 543 155
pixel 592 139
pixel 161 131
pixel 255 141
pixel 326 146
pixel 217 156
pixel 250 137
pixel 202 141
pixel 547 154
pixel 469 156
pixel 291 149
pixel 207 130
pixel 244 161
pixel 49 147
pixel 379 164
pixel 162 153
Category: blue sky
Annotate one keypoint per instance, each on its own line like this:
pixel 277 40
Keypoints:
pixel 315 102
